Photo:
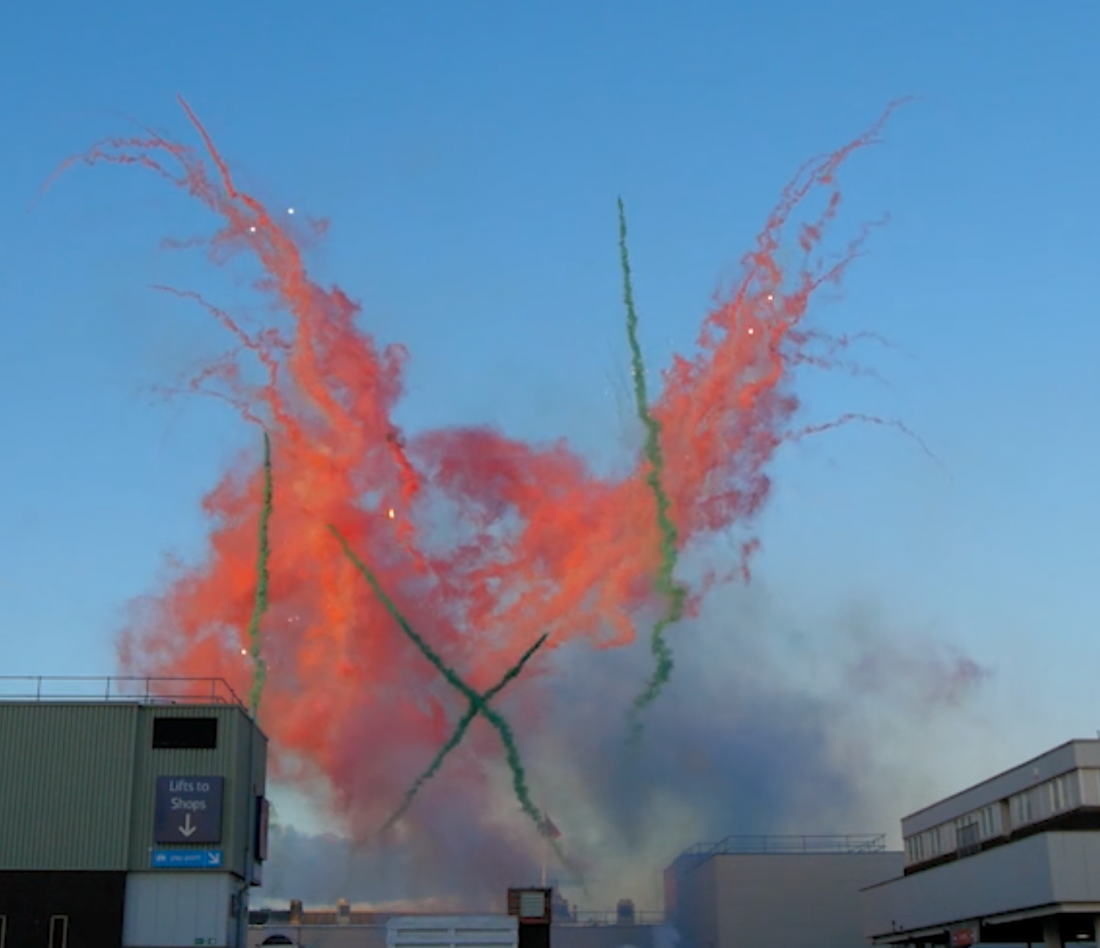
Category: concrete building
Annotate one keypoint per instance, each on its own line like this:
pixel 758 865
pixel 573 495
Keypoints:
pixel 132 818
pixel 781 891
pixel 1014 859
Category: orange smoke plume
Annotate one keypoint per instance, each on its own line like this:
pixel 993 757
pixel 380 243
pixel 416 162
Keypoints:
pixel 486 542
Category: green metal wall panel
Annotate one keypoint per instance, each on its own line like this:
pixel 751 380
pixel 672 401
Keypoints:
pixel 78 783
pixel 65 784
pixel 235 759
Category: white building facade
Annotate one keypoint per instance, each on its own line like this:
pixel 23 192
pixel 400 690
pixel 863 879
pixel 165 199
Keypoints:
pixel 1014 859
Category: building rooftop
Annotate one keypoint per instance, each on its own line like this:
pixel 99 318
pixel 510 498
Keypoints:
pixel 692 858
pixel 141 690
pixel 738 845
pixel 1072 755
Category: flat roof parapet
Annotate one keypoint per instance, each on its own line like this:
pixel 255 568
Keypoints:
pixel 123 689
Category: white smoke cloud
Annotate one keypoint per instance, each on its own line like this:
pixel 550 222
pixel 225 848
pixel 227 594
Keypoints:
pixel 771 725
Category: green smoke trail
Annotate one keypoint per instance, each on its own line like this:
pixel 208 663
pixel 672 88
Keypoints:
pixel 477 702
pixel 476 708
pixel 666 585
pixel 426 650
pixel 259 666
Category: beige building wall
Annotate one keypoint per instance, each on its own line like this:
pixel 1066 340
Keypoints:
pixel 602 936
pixel 698 905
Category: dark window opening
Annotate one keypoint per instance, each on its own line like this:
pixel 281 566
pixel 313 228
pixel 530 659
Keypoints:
pixel 185 733
pixel 59 931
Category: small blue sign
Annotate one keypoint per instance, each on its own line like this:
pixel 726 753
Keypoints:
pixel 187 859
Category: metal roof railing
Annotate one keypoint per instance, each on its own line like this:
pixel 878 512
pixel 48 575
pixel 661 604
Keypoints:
pixel 610 917
pixel 143 690
pixel 737 845
pixel 694 857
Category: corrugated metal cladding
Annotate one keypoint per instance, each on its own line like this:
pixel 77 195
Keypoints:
pixel 178 908
pixel 66 779
pixel 240 757
pixel 78 783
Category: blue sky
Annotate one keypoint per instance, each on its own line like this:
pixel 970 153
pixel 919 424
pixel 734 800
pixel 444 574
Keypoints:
pixel 469 155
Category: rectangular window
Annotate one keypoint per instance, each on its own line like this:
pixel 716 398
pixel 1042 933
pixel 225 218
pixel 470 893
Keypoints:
pixel 988 820
pixel 1059 794
pixel 185 733
pixel 969 835
pixel 933 842
pixel 59 931
pixel 1023 810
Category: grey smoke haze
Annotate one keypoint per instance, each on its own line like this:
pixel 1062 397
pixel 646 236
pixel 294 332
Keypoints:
pixel 772 724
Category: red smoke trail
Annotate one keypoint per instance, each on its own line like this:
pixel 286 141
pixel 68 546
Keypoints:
pixel 535 542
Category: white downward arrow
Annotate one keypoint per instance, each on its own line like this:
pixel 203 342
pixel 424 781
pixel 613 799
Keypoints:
pixel 187 829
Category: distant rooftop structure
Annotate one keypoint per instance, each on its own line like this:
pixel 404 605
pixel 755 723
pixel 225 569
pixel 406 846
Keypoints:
pixel 697 856
pixel 789 845
pixel 145 690
pixel 753 891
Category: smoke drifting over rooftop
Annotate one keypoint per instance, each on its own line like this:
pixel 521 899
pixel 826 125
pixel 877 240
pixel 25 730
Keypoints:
pixel 770 727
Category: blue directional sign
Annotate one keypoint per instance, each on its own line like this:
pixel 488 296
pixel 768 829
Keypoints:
pixel 189 810
pixel 187 859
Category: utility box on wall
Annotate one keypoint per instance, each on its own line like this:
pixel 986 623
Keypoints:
pixel 154 802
